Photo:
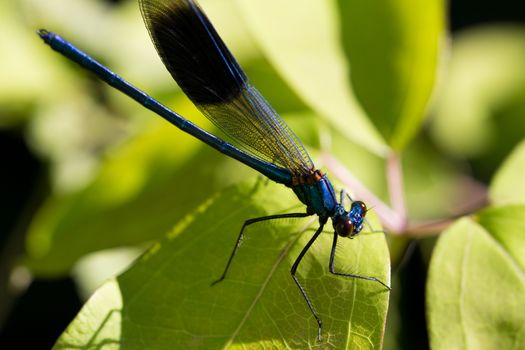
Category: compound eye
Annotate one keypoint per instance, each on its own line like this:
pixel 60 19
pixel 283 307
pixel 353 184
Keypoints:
pixel 361 205
pixel 344 228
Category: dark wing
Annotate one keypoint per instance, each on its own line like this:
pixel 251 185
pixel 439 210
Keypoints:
pixel 207 72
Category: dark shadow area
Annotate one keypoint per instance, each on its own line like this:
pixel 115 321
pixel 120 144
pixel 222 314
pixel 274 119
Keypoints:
pixel 468 13
pixel 40 315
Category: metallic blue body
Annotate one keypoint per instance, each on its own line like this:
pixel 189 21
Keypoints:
pixel 318 197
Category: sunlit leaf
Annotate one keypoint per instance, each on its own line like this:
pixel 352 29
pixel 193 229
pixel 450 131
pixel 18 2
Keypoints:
pixel 165 300
pixel 393 47
pixel 476 286
pixel 92 270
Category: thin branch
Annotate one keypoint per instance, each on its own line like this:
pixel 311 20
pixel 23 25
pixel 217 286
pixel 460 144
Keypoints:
pixel 474 195
pixel 430 228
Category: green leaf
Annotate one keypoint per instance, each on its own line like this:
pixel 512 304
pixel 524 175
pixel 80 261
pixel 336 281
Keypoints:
pixel 393 48
pixel 165 300
pixel 476 288
pixel 507 185
pixel 507 224
pixel 301 41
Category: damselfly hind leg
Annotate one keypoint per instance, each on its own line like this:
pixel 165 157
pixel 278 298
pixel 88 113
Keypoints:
pixel 295 265
pixel 241 235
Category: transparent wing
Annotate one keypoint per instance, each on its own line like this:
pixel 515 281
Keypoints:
pixel 207 72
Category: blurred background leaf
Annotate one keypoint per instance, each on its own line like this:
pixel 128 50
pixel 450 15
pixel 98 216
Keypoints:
pixel 480 108
pixel 301 41
pixel 394 50
pixel 507 185
pixel 506 226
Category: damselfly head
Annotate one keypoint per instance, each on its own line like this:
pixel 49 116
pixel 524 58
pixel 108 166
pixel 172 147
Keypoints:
pixel 349 224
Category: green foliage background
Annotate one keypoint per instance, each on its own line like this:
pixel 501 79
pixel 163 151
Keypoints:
pixel 356 79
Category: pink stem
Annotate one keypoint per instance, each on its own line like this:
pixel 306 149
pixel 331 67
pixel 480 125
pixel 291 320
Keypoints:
pixel 394 176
